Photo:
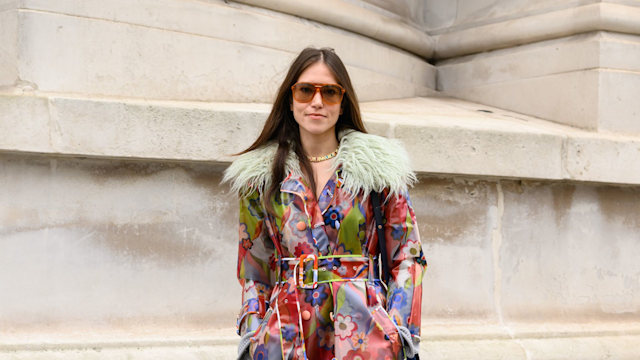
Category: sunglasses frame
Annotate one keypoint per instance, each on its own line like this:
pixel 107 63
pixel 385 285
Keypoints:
pixel 318 88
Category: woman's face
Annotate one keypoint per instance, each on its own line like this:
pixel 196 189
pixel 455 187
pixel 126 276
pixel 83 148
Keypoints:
pixel 316 118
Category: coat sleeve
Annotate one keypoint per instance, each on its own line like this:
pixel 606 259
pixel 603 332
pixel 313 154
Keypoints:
pixel 256 263
pixel 407 265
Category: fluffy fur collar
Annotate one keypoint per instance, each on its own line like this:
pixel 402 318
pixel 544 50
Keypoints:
pixel 369 162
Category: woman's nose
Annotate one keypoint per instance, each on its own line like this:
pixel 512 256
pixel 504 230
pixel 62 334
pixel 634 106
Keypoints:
pixel 317 99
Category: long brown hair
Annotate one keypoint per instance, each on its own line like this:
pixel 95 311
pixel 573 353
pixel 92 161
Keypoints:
pixel 283 128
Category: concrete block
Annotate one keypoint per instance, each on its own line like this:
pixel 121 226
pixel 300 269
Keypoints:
pixel 443 135
pixel 411 11
pixel 619 108
pixel 24 123
pixel 442 341
pixel 590 348
pixel 580 52
pixel 116 59
pixel 8 46
pixel 455 223
pixel 596 158
pixel 569 252
pixel 610 104
pixel 620 51
pixel 357 19
pixel 148 51
pixel 142 129
pixel 444 16
pixel 375 86
pixel 570 98
pixel 158 352
pixel 115 245
pixel 259 28
pixel 459 150
pixel 560 20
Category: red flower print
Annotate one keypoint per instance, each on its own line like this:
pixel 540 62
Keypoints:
pixel 344 327
pixel 272 262
pixel 245 239
pixel 355 355
pixel 247 244
pixel 302 248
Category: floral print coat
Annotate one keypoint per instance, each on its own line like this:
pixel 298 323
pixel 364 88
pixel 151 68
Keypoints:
pixel 344 311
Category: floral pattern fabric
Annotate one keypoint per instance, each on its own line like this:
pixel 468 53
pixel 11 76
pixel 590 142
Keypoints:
pixel 336 319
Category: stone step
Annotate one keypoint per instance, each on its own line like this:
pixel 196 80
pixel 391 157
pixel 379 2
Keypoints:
pixel 440 341
pixel 443 135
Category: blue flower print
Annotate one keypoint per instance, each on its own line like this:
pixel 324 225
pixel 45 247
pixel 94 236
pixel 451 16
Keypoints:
pixel 329 263
pixel 255 209
pixel 341 249
pixel 252 305
pixel 327 192
pixel 333 217
pixel 283 198
pixel 421 259
pixel 288 332
pixel 414 329
pixel 316 296
pixel 261 353
pixel 399 297
pixel 397 232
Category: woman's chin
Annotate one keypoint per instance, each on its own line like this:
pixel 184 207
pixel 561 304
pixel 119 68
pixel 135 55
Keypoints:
pixel 318 131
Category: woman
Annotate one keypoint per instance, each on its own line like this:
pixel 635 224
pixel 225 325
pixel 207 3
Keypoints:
pixel 308 254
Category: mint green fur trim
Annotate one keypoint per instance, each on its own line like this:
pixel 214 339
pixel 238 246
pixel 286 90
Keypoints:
pixel 369 163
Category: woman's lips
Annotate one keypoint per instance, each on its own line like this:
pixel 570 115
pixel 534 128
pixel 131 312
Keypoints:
pixel 316 116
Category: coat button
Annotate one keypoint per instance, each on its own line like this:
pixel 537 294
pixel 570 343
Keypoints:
pixel 331 316
pixel 306 315
pixel 301 225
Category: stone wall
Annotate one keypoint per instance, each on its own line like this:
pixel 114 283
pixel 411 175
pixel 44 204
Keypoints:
pixel 110 248
pixel 117 119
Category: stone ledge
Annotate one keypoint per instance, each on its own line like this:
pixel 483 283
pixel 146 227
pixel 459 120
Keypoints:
pixel 592 17
pixel 586 81
pixel 185 51
pixel 596 340
pixel 443 135
pixel 353 18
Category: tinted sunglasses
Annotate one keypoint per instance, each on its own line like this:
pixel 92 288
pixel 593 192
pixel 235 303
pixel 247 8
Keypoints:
pixel 331 93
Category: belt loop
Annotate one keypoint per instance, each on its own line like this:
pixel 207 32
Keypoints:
pixel 279 269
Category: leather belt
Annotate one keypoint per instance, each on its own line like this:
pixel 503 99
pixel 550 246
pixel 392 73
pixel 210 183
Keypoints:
pixel 309 270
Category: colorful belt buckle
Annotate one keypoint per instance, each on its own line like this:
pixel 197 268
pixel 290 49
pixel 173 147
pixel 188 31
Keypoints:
pixel 303 259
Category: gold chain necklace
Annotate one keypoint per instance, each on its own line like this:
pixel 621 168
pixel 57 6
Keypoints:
pixel 324 157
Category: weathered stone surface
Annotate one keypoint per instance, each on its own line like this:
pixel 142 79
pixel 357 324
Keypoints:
pixel 550 20
pixel 8 46
pixel 586 81
pixel 111 242
pixel 570 98
pixel 455 221
pixel 446 16
pixel 357 19
pixel 593 158
pixel 580 52
pixel 177 52
pixel 25 124
pixel 443 135
pixel 143 248
pixel 569 252
pixel 619 108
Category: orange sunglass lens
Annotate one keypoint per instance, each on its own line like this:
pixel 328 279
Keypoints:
pixel 304 92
